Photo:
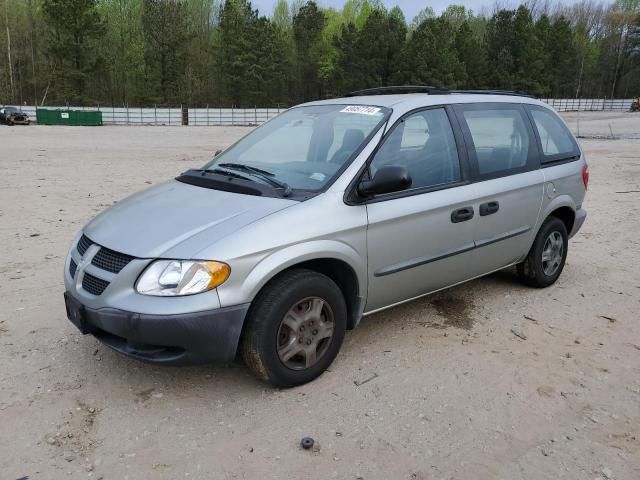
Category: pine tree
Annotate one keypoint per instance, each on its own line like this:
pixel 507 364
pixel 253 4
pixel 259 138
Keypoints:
pixel 74 28
pixel 166 36
pixel 308 25
pixel 499 39
pixel 526 52
pixel 472 54
pixel 430 56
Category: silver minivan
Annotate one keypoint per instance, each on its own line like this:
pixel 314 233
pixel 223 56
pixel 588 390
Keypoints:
pixel 329 212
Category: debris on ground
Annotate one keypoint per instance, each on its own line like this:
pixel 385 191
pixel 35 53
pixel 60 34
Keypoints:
pixel 518 334
pixel 366 380
pixel 307 443
pixel 611 319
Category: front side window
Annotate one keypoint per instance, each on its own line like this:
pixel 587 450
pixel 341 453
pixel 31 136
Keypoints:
pixel 424 144
pixel 500 138
pixel 304 147
pixel 555 139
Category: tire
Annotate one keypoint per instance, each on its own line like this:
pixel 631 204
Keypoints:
pixel 272 335
pixel 553 241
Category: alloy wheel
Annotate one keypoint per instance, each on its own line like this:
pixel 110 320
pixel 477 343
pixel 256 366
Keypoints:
pixel 552 253
pixel 305 333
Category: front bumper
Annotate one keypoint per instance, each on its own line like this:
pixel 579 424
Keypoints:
pixel 184 339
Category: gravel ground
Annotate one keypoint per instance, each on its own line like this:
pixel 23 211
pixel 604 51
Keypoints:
pixel 438 388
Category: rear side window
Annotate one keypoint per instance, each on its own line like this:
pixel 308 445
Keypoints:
pixel 498 137
pixel 556 142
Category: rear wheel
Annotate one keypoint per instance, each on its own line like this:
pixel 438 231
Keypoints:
pixel 295 328
pixel 547 256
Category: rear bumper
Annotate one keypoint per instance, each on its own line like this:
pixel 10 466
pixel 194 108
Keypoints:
pixel 185 339
pixel 581 216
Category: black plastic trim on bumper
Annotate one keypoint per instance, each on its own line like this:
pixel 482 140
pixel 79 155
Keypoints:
pixel 185 339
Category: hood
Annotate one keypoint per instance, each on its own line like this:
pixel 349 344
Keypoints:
pixel 176 220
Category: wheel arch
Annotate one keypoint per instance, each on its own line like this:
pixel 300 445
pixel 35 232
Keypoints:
pixel 562 207
pixel 345 277
pixel 566 214
pixel 336 260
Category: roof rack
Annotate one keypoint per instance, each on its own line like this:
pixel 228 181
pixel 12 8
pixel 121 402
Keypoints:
pixel 431 90
pixel 493 92
pixel 399 89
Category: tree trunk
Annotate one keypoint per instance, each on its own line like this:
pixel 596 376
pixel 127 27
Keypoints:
pixel 580 76
pixel 6 21
pixel 621 48
pixel 33 56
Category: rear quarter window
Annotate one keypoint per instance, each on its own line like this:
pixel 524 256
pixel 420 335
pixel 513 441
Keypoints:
pixel 555 140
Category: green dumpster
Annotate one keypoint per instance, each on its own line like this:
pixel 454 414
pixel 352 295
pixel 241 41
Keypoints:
pixel 68 117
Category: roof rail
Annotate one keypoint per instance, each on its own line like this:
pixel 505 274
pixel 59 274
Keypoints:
pixel 399 89
pixel 493 92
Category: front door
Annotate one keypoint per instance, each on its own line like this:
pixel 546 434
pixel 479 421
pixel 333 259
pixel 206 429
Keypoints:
pixel 421 239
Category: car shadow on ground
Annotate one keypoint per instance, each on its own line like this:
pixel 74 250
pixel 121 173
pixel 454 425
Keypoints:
pixel 450 308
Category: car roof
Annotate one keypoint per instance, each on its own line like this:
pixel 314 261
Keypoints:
pixel 409 101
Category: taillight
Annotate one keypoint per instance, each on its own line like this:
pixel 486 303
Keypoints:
pixel 585 176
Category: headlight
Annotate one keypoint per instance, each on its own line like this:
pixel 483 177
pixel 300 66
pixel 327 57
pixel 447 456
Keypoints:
pixel 181 277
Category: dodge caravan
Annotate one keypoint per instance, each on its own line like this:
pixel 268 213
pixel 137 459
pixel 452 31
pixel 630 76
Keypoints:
pixel 329 212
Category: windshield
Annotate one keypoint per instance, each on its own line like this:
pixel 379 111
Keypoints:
pixel 303 148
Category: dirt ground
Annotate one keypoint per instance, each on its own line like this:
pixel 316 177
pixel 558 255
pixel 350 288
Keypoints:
pixel 440 388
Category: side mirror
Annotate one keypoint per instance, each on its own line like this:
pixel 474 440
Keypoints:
pixel 218 152
pixel 390 178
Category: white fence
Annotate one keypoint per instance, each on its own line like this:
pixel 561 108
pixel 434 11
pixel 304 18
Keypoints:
pixel 589 104
pixel 173 116
pixel 231 116
pixel 256 116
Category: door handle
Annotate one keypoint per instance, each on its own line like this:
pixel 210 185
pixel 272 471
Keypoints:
pixel 462 214
pixel 489 208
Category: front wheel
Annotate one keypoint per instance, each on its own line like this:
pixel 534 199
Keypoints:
pixel 547 256
pixel 294 328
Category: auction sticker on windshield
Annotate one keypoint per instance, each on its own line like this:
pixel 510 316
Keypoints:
pixel 364 110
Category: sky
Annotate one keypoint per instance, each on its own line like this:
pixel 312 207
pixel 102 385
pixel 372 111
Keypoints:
pixel 409 7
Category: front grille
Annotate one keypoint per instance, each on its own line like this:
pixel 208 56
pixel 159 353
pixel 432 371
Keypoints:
pixel 110 261
pixel 72 268
pixel 83 244
pixel 94 285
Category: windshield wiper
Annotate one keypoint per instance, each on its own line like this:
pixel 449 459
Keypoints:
pixel 228 173
pixel 258 172
pixel 248 168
